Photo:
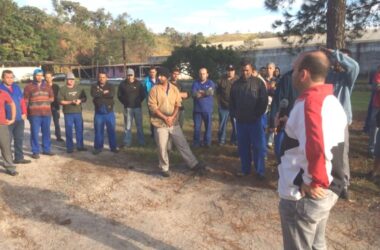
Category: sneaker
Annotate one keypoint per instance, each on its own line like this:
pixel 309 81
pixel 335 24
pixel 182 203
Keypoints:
pixel 36 156
pixel 11 172
pixel 70 151
pixel 82 149
pixel 115 150
pixel 60 140
pixel 165 174
pixel 48 153
pixel 344 194
pixel 261 177
pixel 200 168
pixel 241 174
pixel 22 161
pixel 96 151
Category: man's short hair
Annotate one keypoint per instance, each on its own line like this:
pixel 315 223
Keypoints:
pixel 102 73
pixel 48 73
pixel 152 68
pixel 6 71
pixel 271 63
pixel 176 69
pixel 246 61
pixel 203 67
pixel 317 67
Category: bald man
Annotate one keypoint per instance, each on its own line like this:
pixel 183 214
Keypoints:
pixel 312 152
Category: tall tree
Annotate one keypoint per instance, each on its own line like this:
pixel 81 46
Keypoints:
pixel 191 59
pixel 337 18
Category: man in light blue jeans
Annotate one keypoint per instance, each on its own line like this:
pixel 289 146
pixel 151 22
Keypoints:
pixel 312 155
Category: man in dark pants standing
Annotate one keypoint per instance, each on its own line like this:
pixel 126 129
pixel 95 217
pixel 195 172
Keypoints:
pixel 54 106
pixel 223 94
pixel 16 129
pixel 248 103
pixel 103 94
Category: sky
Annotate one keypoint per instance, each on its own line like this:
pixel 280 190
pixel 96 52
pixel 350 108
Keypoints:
pixel 206 16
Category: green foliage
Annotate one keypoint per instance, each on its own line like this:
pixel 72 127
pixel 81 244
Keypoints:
pixel 312 17
pixel 191 59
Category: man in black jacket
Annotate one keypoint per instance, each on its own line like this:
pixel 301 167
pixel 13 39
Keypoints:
pixel 131 94
pixel 248 102
pixel 103 94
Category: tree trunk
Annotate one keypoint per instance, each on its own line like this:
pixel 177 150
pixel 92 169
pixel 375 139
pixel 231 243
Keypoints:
pixel 336 16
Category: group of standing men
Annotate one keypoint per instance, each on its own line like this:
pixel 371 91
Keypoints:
pixel 313 158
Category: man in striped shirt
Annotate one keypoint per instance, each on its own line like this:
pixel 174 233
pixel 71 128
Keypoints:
pixel 38 97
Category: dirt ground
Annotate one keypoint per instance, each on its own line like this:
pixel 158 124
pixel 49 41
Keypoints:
pixel 111 201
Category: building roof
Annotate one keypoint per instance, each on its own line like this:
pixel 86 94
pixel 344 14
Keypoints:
pixel 372 35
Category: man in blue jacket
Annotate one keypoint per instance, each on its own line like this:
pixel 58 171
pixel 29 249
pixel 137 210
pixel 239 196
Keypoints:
pixel 16 130
pixel 149 82
pixel 343 77
pixel 203 95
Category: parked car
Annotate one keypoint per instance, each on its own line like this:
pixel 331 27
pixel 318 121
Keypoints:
pixel 59 77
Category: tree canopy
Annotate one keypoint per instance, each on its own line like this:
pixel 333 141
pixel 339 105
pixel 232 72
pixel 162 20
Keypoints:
pixel 338 18
pixel 191 59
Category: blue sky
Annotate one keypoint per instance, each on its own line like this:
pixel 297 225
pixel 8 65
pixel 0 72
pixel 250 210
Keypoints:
pixel 208 17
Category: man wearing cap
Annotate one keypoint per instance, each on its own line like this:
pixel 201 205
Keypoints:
pixel 131 93
pixel 16 129
pixel 203 96
pixel 103 94
pixel 5 140
pixel 164 102
pixel 54 105
pixel 248 102
pixel 38 97
pixel 223 94
pixel 71 98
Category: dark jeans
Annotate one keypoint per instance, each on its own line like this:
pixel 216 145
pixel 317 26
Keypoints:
pixel 109 121
pixel 57 127
pixel 71 121
pixel 206 118
pixel 16 131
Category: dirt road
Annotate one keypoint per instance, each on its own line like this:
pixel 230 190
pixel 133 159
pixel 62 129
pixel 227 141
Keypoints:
pixel 111 201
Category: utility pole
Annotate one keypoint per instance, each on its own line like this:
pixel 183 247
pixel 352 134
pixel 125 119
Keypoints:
pixel 124 58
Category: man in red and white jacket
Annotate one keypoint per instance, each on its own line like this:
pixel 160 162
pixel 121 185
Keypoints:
pixel 312 150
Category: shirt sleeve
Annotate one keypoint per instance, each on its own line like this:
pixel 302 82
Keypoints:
pixel 152 101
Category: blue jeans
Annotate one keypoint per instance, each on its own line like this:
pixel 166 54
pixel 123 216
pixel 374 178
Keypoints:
pixel 198 117
pixel 129 115
pixel 16 131
pixel 224 116
pixel 108 120
pixel 251 140
pixel 74 120
pixel 57 127
pixel 37 123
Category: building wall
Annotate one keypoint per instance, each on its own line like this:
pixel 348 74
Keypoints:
pixel 366 54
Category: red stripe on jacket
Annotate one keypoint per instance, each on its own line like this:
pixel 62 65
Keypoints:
pixel 315 147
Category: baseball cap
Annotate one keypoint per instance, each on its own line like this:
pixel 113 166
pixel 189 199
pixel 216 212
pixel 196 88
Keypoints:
pixel 37 71
pixel 230 67
pixel 70 75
